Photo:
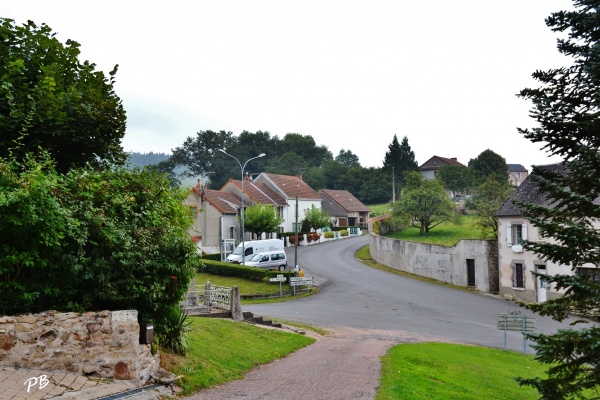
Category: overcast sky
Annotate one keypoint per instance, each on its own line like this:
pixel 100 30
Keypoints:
pixel 352 74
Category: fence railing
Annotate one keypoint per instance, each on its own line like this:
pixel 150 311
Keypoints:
pixel 206 298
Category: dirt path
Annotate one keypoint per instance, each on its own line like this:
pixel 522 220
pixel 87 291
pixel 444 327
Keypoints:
pixel 340 366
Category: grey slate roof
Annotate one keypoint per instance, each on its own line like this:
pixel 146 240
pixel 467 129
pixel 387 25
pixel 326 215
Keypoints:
pixel 527 192
pixel 331 207
pixel 516 168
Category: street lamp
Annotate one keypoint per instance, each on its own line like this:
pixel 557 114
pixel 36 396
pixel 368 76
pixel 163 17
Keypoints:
pixel 242 206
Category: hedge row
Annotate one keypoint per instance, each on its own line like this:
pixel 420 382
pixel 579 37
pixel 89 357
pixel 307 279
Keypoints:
pixel 229 269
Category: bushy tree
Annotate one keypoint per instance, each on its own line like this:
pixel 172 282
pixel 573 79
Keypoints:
pixel 49 99
pixel 261 218
pixel 88 240
pixel 423 203
pixel 488 163
pixel 456 178
pixel 347 158
pixel 486 200
pixel 316 218
pixel 567 109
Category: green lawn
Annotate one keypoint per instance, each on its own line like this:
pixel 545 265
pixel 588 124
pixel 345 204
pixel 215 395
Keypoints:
pixel 379 209
pixel 446 234
pixel 253 288
pixel 443 371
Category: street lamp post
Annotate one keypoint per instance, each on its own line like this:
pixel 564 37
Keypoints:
pixel 242 167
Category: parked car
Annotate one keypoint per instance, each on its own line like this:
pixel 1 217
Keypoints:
pixel 269 260
pixel 254 247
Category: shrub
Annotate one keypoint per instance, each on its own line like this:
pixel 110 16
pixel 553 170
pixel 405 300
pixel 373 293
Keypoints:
pixel 173 334
pixel 329 235
pixel 229 269
pixel 344 232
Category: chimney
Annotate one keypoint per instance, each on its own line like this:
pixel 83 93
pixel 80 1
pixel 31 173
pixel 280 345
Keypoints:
pixel 299 176
pixel 199 184
pixel 453 158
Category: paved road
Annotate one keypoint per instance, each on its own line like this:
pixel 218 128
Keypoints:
pixel 368 311
pixel 357 296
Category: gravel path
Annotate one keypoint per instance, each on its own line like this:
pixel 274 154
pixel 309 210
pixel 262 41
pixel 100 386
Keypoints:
pixel 342 365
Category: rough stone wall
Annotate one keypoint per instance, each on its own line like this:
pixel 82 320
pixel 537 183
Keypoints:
pixel 494 267
pixel 446 264
pixel 103 344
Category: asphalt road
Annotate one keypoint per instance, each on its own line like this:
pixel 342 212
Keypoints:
pixel 354 295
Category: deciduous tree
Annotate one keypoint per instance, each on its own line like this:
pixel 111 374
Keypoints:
pixel 423 203
pixel 488 163
pixel 261 218
pixel 49 99
pixel 316 218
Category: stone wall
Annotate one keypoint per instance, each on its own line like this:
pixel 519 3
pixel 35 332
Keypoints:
pixel 102 344
pixel 446 264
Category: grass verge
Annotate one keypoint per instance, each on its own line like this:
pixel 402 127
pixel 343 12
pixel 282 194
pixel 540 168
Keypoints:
pixel 445 234
pixel 270 290
pixel 447 371
pixel 223 350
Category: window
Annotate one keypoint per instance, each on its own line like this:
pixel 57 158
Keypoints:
pixel 592 273
pixel 515 233
pixel 518 275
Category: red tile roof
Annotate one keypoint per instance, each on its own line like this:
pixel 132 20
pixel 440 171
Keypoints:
pixel 292 186
pixel 346 200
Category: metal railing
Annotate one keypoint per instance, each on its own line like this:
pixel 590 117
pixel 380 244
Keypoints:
pixel 206 298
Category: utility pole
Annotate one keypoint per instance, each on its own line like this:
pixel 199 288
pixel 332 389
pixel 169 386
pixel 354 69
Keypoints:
pixel 296 245
pixel 393 186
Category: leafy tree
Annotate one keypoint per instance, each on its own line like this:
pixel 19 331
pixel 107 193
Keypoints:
pixel 400 158
pixel 423 203
pixel 489 163
pixel 487 199
pixel 306 147
pixel 51 100
pixel 200 156
pixel 566 107
pixel 375 186
pixel 287 164
pixel 347 158
pixel 316 218
pixel 260 218
pixel 456 178
pixel 111 239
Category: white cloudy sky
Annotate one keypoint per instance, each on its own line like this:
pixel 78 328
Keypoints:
pixel 349 73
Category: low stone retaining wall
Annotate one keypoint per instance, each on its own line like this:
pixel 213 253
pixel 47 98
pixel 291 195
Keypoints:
pixel 446 264
pixel 102 344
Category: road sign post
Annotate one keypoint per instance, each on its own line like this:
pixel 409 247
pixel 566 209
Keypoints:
pixel 280 278
pixel 301 280
pixel 514 321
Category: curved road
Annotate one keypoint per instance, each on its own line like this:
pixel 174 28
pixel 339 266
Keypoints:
pixel 355 295
pixel 367 311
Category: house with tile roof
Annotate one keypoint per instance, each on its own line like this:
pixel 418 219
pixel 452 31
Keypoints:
pixel 516 264
pixel 215 218
pixel 295 192
pixel 430 167
pixel 258 193
pixel 355 213
pixel 517 174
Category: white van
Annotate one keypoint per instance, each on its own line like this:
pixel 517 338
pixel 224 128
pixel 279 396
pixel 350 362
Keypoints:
pixel 253 247
pixel 269 260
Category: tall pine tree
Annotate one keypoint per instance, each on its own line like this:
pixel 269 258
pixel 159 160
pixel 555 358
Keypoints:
pixel 567 109
pixel 399 159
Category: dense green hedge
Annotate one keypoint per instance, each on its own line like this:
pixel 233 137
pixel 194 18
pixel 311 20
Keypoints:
pixel 214 257
pixel 229 269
